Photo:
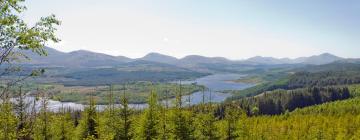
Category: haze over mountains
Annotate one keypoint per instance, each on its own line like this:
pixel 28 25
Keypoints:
pixel 315 60
pixel 83 58
pixel 82 67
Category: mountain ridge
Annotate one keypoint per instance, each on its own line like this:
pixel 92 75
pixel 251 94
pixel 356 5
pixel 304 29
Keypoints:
pixel 94 59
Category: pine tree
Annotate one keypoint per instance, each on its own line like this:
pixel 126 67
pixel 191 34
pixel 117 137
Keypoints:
pixel 7 121
pixel 124 132
pixel 23 130
pixel 205 127
pixel 89 123
pixel 63 128
pixel 164 131
pixel 149 125
pixel 43 130
pixel 232 117
pixel 181 121
pixel 108 119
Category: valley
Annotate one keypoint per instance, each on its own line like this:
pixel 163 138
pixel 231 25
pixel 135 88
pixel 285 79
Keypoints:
pixel 205 91
pixel 179 70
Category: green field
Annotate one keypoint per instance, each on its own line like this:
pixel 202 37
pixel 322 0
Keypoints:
pixel 136 93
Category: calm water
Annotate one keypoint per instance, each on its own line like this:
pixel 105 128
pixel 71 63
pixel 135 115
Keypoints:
pixel 215 84
pixel 220 82
pixel 57 105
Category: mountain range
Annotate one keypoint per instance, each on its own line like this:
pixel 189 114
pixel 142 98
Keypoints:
pixel 83 58
pixel 324 58
pixel 80 68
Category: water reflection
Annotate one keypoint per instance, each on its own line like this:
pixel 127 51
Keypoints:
pixel 214 83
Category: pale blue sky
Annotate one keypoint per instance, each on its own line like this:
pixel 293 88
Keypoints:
pixel 235 29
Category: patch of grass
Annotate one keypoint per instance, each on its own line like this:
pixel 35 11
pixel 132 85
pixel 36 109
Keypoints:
pixel 250 80
pixel 137 92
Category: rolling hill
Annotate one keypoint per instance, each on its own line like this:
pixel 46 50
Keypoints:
pixel 156 57
pixel 83 58
pixel 79 59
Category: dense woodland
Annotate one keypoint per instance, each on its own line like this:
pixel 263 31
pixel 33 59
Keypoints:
pixel 279 101
pixel 338 119
pixel 333 74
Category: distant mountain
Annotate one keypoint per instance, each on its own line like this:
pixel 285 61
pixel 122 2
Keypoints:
pixel 82 67
pixel 313 60
pixel 156 57
pixel 143 65
pixel 83 58
pixel 124 59
pixel 80 58
pixel 268 60
pixel 186 61
pixel 197 59
pixel 324 58
pixel 337 66
pixel 349 60
pixel 90 59
pixel 54 57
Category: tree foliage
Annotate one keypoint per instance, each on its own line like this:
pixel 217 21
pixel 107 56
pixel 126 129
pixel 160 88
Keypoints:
pixel 278 101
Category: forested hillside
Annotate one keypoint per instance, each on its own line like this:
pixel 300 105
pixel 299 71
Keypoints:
pixel 307 77
pixel 336 120
pixel 280 101
pixel 339 119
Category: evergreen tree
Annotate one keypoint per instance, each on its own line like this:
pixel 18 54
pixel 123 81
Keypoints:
pixel 63 128
pixel 23 130
pixel 89 125
pixel 108 120
pixel 43 130
pixel 124 132
pixel 205 126
pixel 164 133
pixel 181 121
pixel 149 125
pixel 181 124
pixel 8 121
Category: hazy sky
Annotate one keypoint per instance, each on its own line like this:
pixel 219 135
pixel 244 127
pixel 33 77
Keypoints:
pixel 235 29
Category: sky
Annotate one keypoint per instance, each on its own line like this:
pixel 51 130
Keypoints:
pixel 235 29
